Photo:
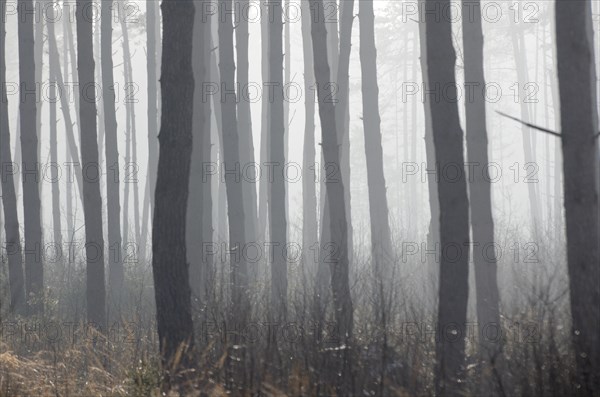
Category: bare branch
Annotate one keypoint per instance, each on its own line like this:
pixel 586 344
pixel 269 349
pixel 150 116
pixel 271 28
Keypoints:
pixel 535 127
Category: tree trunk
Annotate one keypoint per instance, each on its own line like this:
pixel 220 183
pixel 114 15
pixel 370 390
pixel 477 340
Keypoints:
pixel 433 232
pixel 343 110
pixel 263 190
pixel 69 157
pixel 277 185
pixel 131 165
pixel 38 49
pixel 34 271
pixel 339 265
pixel 53 66
pixel 9 199
pixel 245 124
pixel 239 309
pixel 198 267
pixel 115 261
pixel 207 200
pixel 579 126
pixel 309 190
pixel 152 21
pixel 482 222
pixel 454 205
pixel 170 269
pixel 287 52
pixel 92 201
pixel 220 190
pixel 381 244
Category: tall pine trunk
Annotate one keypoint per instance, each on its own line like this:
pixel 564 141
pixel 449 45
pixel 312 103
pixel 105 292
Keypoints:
pixel 198 266
pixel 277 185
pixel 381 244
pixel 34 271
pixel 92 201
pixel 433 230
pixel 309 190
pixel 9 199
pixel 482 222
pixel 152 34
pixel 263 190
pixel 245 123
pixel 339 264
pixel 53 66
pixel 113 205
pixel 131 164
pixel 454 205
pixel 169 262
pixel 239 308
pixel 579 127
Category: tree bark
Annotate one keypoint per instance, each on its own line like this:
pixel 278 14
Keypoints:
pixel 433 232
pixel 454 205
pixel 579 126
pixel 309 191
pixel 339 265
pixel 199 184
pixel 245 123
pixel 38 49
pixel 277 185
pixel 92 201
pixel 131 164
pixel 9 200
pixel 53 65
pixel 170 269
pixel 263 190
pixel 381 244
pixel 482 222
pixel 34 272
pixel 239 308
pixel 152 33
pixel 116 272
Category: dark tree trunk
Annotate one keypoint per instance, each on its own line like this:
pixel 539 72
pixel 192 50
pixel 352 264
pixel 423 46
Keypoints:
pixel 34 271
pixel 92 201
pixel 239 309
pixel 381 244
pixel 38 49
pixel 454 205
pixel 579 126
pixel 277 185
pixel 170 269
pixel 199 184
pixel 115 261
pixel 482 222
pixel 53 66
pixel 339 266
pixel 309 191
pixel 433 232
pixel 245 123
pixel 287 53
pixel 9 199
